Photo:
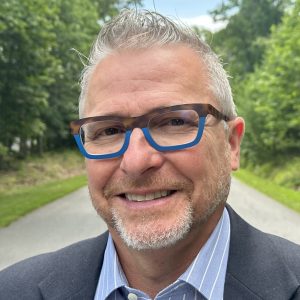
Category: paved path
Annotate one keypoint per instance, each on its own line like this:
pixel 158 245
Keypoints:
pixel 60 223
pixel 264 213
pixel 73 218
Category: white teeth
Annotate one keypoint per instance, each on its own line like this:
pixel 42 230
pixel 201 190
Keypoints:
pixel 150 196
pixel 140 197
pixel 157 194
pixel 146 197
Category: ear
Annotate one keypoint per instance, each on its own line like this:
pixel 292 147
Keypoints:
pixel 236 133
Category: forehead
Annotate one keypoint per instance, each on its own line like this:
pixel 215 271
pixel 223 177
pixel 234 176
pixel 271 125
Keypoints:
pixel 134 81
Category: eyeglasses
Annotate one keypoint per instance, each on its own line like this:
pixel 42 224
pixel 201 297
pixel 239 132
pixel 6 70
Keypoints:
pixel 166 129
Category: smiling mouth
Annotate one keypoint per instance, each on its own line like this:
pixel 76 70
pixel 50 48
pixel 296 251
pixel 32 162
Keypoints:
pixel 148 196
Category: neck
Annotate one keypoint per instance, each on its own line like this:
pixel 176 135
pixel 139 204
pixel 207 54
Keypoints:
pixel 153 270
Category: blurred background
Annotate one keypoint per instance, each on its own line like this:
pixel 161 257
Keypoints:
pixel 257 40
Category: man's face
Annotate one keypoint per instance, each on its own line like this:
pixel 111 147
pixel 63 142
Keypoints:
pixel 191 185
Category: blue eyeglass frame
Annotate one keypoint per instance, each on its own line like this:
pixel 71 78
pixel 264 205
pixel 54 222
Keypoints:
pixel 141 122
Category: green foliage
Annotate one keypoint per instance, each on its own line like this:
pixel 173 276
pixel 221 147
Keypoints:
pixel 39 71
pixel 261 48
pixel 284 172
pixel 27 66
pixel 39 170
pixel 241 43
pixel 76 28
pixel 3 156
pixel 271 96
pixel 288 174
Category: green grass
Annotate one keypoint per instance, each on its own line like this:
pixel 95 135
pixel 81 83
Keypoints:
pixel 38 181
pixel 283 172
pixel 286 196
pixel 14 205
pixel 34 171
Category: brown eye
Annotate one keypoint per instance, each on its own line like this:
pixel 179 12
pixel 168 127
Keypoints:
pixel 177 122
pixel 112 131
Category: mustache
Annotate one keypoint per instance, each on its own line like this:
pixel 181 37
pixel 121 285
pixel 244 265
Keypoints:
pixel 122 185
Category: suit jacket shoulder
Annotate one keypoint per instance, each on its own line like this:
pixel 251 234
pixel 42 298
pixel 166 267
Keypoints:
pixel 260 265
pixel 69 273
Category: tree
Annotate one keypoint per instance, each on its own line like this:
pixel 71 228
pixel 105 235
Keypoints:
pixel 76 28
pixel 272 95
pixel 241 43
pixel 27 67
pixel 38 70
pixel 78 25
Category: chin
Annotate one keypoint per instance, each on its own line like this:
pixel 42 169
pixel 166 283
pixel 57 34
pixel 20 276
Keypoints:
pixel 148 233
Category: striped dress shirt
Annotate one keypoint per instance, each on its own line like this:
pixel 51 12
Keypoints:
pixel 203 279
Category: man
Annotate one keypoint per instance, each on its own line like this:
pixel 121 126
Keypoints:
pixel 161 136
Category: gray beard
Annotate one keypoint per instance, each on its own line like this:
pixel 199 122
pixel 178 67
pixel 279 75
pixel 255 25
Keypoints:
pixel 145 236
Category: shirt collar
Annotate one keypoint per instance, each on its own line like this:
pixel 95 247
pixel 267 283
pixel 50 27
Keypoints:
pixel 206 273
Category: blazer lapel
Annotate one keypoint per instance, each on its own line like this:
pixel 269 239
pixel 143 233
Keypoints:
pixel 255 270
pixel 77 271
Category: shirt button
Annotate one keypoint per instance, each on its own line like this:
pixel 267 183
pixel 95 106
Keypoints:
pixel 132 296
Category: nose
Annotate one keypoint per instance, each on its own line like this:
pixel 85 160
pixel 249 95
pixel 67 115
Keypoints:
pixel 140 157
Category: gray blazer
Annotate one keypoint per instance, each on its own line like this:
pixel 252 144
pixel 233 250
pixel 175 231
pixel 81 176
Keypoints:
pixel 260 266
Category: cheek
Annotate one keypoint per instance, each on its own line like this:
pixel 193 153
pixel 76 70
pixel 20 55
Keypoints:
pixel 191 164
pixel 203 164
pixel 99 172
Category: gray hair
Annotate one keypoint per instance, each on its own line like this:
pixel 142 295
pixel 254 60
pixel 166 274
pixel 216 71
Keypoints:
pixel 143 29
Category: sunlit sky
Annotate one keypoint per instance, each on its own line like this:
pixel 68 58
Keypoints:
pixel 191 12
